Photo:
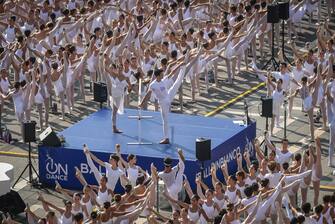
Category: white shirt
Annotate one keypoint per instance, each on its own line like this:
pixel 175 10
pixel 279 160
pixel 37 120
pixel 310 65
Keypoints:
pixel 273 179
pixel 282 157
pixel 286 79
pixel 168 178
pixel 160 89
pixel 246 201
pixel 112 175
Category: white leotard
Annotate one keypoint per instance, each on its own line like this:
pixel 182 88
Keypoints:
pixel 241 189
pixel 18 102
pixel 44 16
pixel 248 181
pixel 69 75
pixel 22 76
pixel 278 99
pixel 10 34
pixel 309 68
pixel 232 195
pixel 58 86
pixel 328 217
pixel 89 206
pixel 91 63
pixel 64 220
pixel 38 97
pixel 296 75
pixel 210 212
pixel 103 197
pixel 4 84
pixel 133 175
pixel 193 216
pixel 219 202
pixel 80 210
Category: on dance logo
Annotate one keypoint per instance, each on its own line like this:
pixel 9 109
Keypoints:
pixel 55 171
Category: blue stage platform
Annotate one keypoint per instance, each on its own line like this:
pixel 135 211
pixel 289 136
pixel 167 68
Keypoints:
pixel 227 138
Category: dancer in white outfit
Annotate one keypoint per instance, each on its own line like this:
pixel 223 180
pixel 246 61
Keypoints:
pixel 165 89
pixel 165 95
pixel 173 177
pixel 113 172
pixel 116 84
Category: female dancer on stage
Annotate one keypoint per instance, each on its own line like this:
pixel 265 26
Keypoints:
pixel 116 84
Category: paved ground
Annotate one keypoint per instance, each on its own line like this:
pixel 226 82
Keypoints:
pixel 297 129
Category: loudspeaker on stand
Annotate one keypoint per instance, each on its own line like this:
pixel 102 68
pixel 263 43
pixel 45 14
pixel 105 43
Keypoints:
pixel 29 131
pixel 273 13
pixel 203 149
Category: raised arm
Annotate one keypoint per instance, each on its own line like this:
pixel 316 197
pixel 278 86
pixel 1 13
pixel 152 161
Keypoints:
pixel 60 210
pixel 95 159
pixel 199 189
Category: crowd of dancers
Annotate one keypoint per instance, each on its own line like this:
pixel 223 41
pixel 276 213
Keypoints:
pixel 151 50
pixel 266 189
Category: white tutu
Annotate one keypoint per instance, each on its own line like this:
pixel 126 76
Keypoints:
pixel 117 102
pixel 308 103
pixel 320 95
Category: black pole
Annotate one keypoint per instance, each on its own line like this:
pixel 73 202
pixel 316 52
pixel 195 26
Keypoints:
pixel 267 129
pixel 285 118
pixel 272 59
pixel 246 111
pixel 157 195
pixel 282 37
pixel 1 105
pixel 30 164
pixel 283 41
pixel 202 169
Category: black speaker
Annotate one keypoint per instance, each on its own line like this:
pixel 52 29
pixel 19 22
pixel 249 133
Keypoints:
pixel 266 107
pixel 203 149
pixel 273 13
pixel 29 131
pixel 12 203
pixel 49 138
pixel 100 92
pixel 284 10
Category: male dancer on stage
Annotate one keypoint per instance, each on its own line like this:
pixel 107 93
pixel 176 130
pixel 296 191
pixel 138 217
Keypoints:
pixel 164 94
pixel 165 89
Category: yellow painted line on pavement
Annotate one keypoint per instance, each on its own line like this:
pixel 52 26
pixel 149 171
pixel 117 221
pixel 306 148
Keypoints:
pixel 18 154
pixel 325 188
pixel 229 102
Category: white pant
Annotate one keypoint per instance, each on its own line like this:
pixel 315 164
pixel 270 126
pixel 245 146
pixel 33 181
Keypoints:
pixel 176 187
pixel 93 168
pixel 331 140
pixel 331 121
pixel 166 103
pixel 263 208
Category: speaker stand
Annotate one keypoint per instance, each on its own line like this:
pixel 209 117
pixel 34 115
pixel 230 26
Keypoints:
pixel 246 112
pixel 283 43
pixel 202 170
pixel 266 131
pixel 272 59
pixel 1 121
pixel 285 118
pixel 31 170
